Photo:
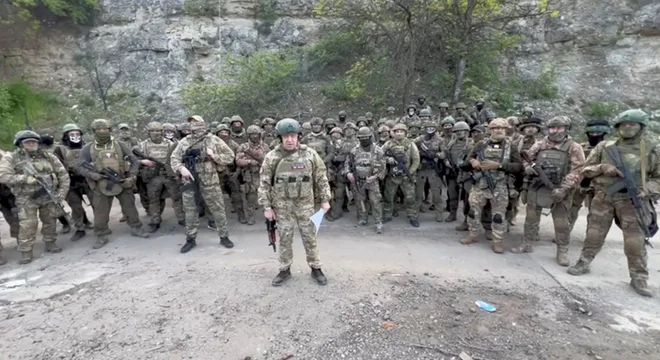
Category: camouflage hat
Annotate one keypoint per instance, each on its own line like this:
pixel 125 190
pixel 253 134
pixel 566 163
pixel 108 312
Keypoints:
pixel 70 127
pixel 100 124
pixel 460 126
pixel 287 126
pixel 383 128
pixel 317 121
pixel 226 120
pixel 460 105
pixel 307 125
pixel 195 118
pixel 268 121
pixel 400 127
pixel 168 126
pixel 342 113
pixel 443 105
pixel 597 126
pixel 351 125
pixel 154 126
pixel 330 121
pixel 236 118
pixel 364 132
pixel 430 123
pixel 498 123
pixel 221 127
pixel 449 120
pixel 336 130
pixel 632 116
pixel 253 129
pixel 123 126
pixel 24 135
pixel 559 121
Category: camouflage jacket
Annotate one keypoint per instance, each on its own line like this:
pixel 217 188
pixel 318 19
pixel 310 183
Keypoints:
pixel 575 157
pixel 207 167
pixel 406 147
pixel 12 172
pixel 249 157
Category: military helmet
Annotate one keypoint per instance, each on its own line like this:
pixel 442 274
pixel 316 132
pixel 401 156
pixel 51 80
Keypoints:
pixel 226 120
pixel 336 130
pixel 307 125
pixel 383 128
pixel 632 116
pixel 24 135
pixel 527 109
pixel 400 127
pixel 268 121
pixel 391 109
pixel 196 118
pixel 253 129
pixel 154 126
pixel 369 115
pixel 171 127
pixel 597 125
pixel 460 126
pixel 449 120
pixel 560 121
pixel 429 123
pixel 70 127
pixel 478 128
pixel 513 121
pixel 330 121
pixel 361 118
pixel 342 113
pixel 184 126
pixel 236 118
pixel 490 115
pixel 287 126
pixel 221 127
pixel 498 123
pixel 123 126
pixel 480 102
pixel 100 124
pixel 415 124
pixel 351 125
pixel 364 132
pixel 411 105
pixel 214 124
pixel 425 112
pixel 443 105
pixel 460 105
pixel 317 121
pixel 390 123
pixel 536 122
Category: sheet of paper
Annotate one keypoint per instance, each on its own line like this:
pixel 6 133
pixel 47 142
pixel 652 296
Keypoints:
pixel 317 219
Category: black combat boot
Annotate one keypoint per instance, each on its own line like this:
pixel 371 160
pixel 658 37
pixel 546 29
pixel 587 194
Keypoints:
pixel 79 234
pixel 317 274
pixel 66 228
pixel 224 241
pixel 414 223
pixel 153 228
pixel 281 277
pixel 189 245
pixel 211 225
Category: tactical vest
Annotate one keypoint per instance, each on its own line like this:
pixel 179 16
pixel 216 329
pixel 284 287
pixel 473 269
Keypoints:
pixel 631 158
pixel 433 147
pixel 364 161
pixel 457 150
pixel 318 142
pixel 159 152
pixel 586 148
pixel 524 143
pixel 108 156
pixel 251 173
pixel 400 149
pixel 43 165
pixel 498 152
pixel 556 164
pixel 70 156
pixel 294 176
pixel 240 138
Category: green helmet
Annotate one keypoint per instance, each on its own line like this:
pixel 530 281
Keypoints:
pixel 317 121
pixel 391 109
pixel 460 106
pixel 369 115
pixel 632 116
pixel 168 126
pixel 214 124
pixel 527 110
pixel 330 121
pixel 448 121
pixel 100 124
pixel 342 113
pixel 123 126
pixel 425 112
pixel 221 127
pixel 287 126
pixel 443 105
pixel 253 129
pixel 268 121
pixel 559 121
pixel 415 124
pixel 597 126
pixel 226 120
pixel 154 126
pixel 364 133
pixel 24 135
pixel 70 127
pixel 236 118
pixel 307 125
pixel 411 105
pixel 460 126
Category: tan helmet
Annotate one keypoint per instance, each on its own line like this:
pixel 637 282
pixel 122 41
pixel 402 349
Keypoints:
pixel 196 118
pixel 154 126
pixel 400 127
pixel 336 129
pixel 383 128
pixel 268 121
pixel 351 125
pixel 317 121
pixel 307 125
pixel 498 123
pixel 221 127
pixel 253 129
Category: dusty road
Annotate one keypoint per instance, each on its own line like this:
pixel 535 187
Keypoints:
pixel 408 294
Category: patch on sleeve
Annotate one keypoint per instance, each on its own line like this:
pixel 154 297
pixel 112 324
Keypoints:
pixel 298 166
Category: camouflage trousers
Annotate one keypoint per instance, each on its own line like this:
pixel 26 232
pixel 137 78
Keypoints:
pixel 602 212
pixel 339 196
pixel 498 199
pixel 435 185
pixel 453 193
pixel 372 193
pixel 143 193
pixel 408 188
pixel 559 213
pixel 102 205
pixel 289 214
pixel 251 195
pixel 75 201
pixel 231 186
pixel 214 200
pixel 155 188
pixel 30 211
pixel 580 196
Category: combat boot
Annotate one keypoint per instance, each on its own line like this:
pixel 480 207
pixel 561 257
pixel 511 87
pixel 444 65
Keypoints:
pixel 362 222
pixel 79 234
pixel 139 232
pixel 422 209
pixel 153 228
pixel 317 274
pixel 123 218
pixel 250 220
pixel 66 227
pixel 451 217
pixel 2 259
pixel 51 247
pixel 525 247
pixel 489 235
pixel 26 257
pixel 189 245
pixel 497 246
pixel 562 256
pixel 470 239
pixel 379 228
pixel 182 222
pixel 211 225
pixel 439 217
pixel 395 213
pixel 462 227
pixel 241 218
pixel 88 225
pixel 224 241
pixel 100 242
pixel 581 267
pixel 414 223
pixel 641 287
pixel 387 219
pixel 281 277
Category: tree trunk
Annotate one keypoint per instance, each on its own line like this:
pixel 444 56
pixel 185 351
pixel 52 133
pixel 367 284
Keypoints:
pixel 458 83
pixel 409 72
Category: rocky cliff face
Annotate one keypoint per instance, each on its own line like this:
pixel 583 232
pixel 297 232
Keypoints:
pixel 605 50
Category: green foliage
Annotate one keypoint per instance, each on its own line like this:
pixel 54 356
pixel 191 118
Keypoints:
pixel 80 11
pixel 266 10
pixel 601 110
pixel 338 90
pixel 201 8
pixel 335 51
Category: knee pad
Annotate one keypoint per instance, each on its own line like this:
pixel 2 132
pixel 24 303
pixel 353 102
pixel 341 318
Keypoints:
pixel 471 214
pixel 497 219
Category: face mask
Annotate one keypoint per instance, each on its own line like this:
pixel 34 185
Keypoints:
pixel 169 135
pixel 365 142
pixel 156 137
pixel 255 138
pixel 75 138
pixel 630 131
pixel 102 138
pixel 461 134
pixel 497 137
pixel 430 130
pixel 594 140
pixel 411 112
pixel 47 140
pixel 480 107
pixel 342 118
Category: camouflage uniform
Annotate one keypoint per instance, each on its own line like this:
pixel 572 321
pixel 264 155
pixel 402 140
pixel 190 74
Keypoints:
pixel 268 125
pixel 340 153
pixel 238 133
pixel 319 141
pixel 290 182
pixel 453 155
pixel 447 134
pixel 561 159
pixel 129 141
pixel 383 135
pixel 389 117
pixel 429 148
pixel 516 181
pixel 343 119
pixel 160 149
pixel 31 203
pixel 8 205
pixel 107 153
pixel 461 115
pixel 229 175
pixel 524 143
pixel 249 157
pixel 366 165
pixel 499 160
pixel 193 151
pixel 410 116
pixel 442 113
pixel 397 177
pixel 169 132
pixel 612 201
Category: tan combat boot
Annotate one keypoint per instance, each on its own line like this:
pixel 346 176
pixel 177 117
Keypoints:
pixel 525 247
pixel 498 248
pixel 139 232
pixel 562 256
pixel 469 240
pixel 439 217
pixel 489 235
pixel 581 267
pixel 641 287
pixel 462 227
pixel 52 248
pixel 26 257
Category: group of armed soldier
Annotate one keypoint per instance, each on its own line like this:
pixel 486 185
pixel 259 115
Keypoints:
pixel 418 161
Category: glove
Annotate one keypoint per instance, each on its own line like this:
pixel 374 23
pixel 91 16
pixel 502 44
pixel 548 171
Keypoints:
pixel 391 160
pixel 96 176
pixel 530 171
pixel 372 179
pixel 128 182
pixel 489 165
pixel 523 197
pixel 31 180
pixel 642 194
pixel 475 164
pixel 610 170
pixel 559 194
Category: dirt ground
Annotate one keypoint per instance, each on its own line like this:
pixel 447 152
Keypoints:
pixel 407 294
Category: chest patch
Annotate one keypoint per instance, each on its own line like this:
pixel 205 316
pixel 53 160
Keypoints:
pixel 298 166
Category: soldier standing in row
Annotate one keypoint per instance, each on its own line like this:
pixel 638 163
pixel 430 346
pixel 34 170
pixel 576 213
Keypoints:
pixel 410 116
pixel 453 155
pixel 443 112
pixel 206 155
pixel 237 131
pixel 292 177
pixel 229 176
pixel 496 159
pixel 169 132
pixel 31 200
pixel 268 125
pixel 383 135
pixel 47 144
pixel 429 146
pixel 107 154
pixel 249 157
pixel 403 157
pixel 612 200
pixel 319 141
pixel 558 161
pixel 365 167
pixel 7 204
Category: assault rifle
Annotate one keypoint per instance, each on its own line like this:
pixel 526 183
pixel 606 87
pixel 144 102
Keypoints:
pixel 429 157
pixel 112 176
pixel 46 189
pixel 628 185
pixel 539 171
pixel 159 164
pixel 401 163
pixel 271 226
pixel 489 179
pixel 189 160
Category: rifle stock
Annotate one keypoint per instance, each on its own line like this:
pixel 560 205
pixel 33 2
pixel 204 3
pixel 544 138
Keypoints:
pixel 271 226
pixel 541 174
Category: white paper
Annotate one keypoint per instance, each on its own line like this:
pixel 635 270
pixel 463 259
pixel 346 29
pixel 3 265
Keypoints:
pixel 317 219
